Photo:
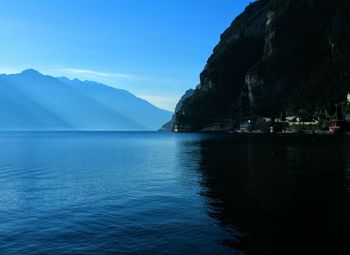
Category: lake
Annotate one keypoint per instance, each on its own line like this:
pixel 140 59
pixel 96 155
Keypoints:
pixel 165 193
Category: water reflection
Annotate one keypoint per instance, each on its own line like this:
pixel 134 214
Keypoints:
pixel 283 195
pixel 160 193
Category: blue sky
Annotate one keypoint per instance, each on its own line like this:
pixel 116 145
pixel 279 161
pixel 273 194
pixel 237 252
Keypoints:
pixel 155 48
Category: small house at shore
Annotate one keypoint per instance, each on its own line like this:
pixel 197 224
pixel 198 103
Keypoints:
pixel 294 120
pixel 266 119
pixel 245 126
pixel 338 126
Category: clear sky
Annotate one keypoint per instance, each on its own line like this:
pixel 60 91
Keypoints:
pixel 153 48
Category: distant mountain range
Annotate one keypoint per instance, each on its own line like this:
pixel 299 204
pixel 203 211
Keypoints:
pixel 33 101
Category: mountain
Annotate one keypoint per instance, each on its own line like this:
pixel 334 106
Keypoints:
pixel 170 124
pixel 122 101
pixel 279 57
pixel 33 101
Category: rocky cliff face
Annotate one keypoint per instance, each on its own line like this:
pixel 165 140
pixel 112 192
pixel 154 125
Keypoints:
pixel 171 124
pixel 278 56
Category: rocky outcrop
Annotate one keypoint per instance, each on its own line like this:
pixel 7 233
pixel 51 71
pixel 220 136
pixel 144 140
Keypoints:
pixel 278 56
pixel 171 124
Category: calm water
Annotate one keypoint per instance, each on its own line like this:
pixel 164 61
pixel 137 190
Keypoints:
pixel 164 193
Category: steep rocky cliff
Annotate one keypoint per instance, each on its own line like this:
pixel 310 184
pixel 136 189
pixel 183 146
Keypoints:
pixel 171 124
pixel 278 56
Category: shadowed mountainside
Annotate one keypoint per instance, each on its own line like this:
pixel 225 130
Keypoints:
pixel 170 125
pixel 277 57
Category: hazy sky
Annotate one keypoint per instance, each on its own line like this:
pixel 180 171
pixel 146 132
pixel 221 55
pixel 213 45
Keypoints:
pixel 153 48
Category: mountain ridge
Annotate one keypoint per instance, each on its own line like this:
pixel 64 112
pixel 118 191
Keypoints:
pixel 277 58
pixel 35 101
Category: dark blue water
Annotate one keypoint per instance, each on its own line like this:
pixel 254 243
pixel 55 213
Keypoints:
pixel 164 193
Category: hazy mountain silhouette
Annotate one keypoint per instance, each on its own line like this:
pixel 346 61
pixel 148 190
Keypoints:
pixel 32 101
pixel 121 101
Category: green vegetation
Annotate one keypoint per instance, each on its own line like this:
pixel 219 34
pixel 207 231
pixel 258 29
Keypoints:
pixel 298 65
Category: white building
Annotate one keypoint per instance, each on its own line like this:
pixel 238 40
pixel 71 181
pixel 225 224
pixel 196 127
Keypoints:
pixel 348 97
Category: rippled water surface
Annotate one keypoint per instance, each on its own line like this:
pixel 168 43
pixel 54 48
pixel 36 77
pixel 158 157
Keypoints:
pixel 164 193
